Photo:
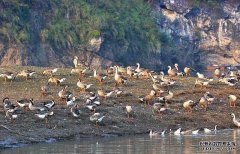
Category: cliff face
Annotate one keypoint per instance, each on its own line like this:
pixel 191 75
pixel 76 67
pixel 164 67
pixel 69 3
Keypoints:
pixel 210 30
pixel 193 33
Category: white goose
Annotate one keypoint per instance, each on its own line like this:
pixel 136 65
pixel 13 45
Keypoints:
pixel 206 130
pixel 153 133
pixel 195 132
pixel 236 121
pixel 138 69
pixel 200 76
pixel 163 132
pixel 129 111
pixel 178 131
pixel 96 118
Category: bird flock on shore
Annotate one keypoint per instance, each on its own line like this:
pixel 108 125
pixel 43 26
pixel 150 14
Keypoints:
pixel 122 76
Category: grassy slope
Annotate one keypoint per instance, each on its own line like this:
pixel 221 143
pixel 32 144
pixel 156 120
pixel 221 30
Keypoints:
pixel 63 125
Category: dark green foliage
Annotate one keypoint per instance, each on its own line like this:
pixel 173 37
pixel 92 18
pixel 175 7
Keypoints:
pixel 206 3
pixel 69 24
pixel 130 27
pixel 14 17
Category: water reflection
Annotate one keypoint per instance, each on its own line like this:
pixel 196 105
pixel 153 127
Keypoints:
pixel 134 144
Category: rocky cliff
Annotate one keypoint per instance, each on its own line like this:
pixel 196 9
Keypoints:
pixel 206 32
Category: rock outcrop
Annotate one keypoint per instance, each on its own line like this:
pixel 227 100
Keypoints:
pixel 209 29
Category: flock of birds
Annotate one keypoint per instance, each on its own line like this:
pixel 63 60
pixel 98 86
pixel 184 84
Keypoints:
pixel 122 76
pixel 179 132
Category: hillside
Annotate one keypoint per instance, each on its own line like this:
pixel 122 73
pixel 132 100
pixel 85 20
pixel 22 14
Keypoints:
pixel 49 33
pixel 154 33
pixel 205 32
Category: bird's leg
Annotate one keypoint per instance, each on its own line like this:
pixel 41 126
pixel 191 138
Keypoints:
pixel 25 109
pixel 190 109
pixel 145 103
pixel 46 120
pixel 97 124
pixel 11 82
pixel 148 104
pixel 206 108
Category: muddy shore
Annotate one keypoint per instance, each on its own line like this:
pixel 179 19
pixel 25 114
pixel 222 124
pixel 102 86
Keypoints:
pixel 62 125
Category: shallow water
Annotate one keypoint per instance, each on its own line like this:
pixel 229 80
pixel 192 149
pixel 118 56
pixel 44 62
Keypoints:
pixel 140 144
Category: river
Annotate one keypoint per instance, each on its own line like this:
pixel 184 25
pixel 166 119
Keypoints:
pixel 226 141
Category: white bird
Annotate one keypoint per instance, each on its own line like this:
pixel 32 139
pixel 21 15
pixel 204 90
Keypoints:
pixel 54 70
pixel 7 76
pixel 230 81
pixel 70 100
pixel 178 131
pixel 235 120
pixel 129 111
pixel 44 115
pixel 195 132
pixel 180 74
pixel 155 87
pixel 96 118
pixel 91 98
pixel 138 69
pixel 75 61
pixel 97 103
pixel 11 115
pixel 163 132
pixel 186 132
pixel 23 102
pixel 92 107
pixel 75 111
pixel 206 130
pixel 49 104
pixel 153 133
pixel 163 109
pixel 200 76
pixel 33 107
pixel 232 100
